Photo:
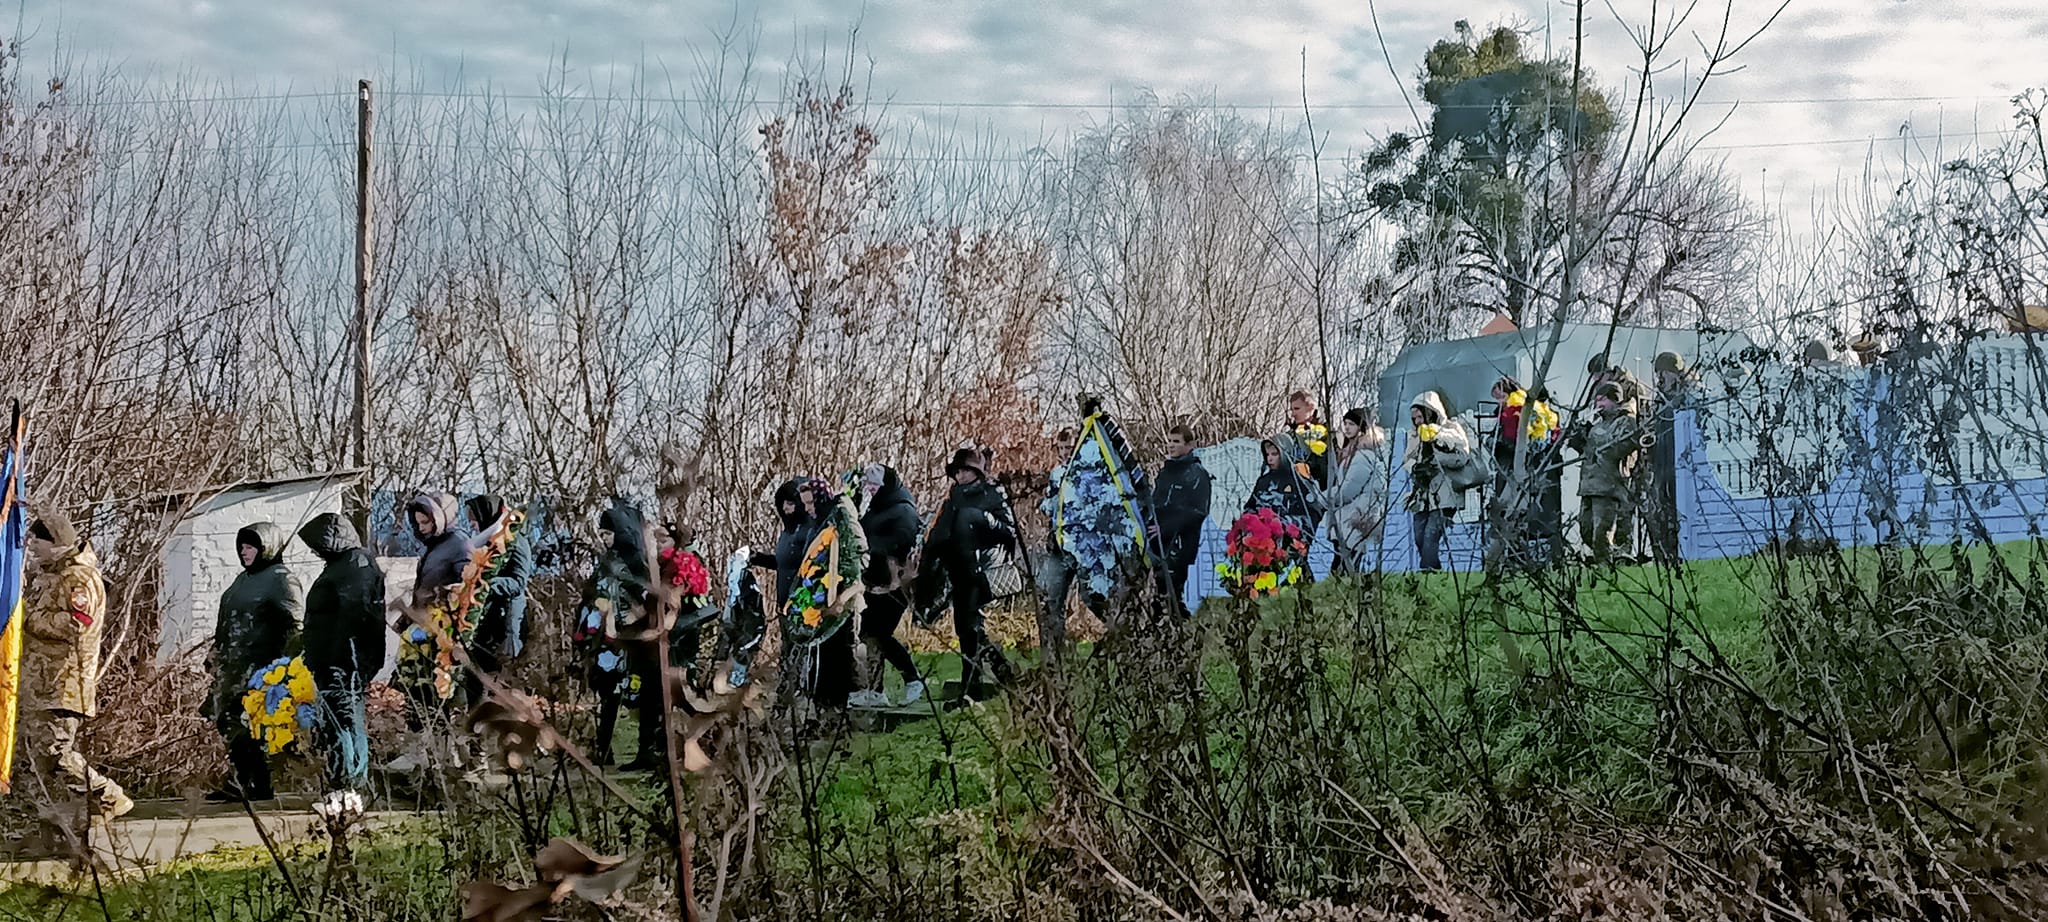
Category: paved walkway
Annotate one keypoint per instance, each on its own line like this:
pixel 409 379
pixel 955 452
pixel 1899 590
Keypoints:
pixel 161 831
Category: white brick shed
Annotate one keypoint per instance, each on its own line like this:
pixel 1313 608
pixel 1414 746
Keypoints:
pixel 200 559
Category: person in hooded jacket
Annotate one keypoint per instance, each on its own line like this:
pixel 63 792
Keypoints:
pixel 427 674
pixel 614 610
pixel 344 640
pixel 1432 496
pixel 501 561
pixel 1287 489
pixel 259 618
pixel 892 526
pixel 973 519
pixel 65 612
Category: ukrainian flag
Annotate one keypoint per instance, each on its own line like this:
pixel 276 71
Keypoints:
pixel 13 535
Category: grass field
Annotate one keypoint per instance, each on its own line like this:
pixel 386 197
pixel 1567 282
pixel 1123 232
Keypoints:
pixel 1549 680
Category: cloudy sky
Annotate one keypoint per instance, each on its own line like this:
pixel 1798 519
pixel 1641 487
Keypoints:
pixel 1823 81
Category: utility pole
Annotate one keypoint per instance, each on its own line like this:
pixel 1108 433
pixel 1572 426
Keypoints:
pixel 360 457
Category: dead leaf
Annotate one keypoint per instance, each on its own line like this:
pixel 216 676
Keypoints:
pixel 514 726
pixel 489 902
pixel 598 888
pixel 564 857
pixel 573 868
pixel 694 759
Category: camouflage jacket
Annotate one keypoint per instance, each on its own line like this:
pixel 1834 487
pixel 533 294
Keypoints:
pixel 67 608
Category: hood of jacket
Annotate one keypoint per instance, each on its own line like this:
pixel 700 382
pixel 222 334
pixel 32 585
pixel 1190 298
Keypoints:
pixel 440 510
pixel 488 510
pixel 1428 400
pixel 787 493
pixel 890 494
pixel 268 540
pixel 330 536
pixel 628 528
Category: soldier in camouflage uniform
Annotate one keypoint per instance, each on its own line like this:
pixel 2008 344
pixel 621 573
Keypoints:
pixel 66 610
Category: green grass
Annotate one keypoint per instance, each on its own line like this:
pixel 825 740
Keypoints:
pixel 1542 687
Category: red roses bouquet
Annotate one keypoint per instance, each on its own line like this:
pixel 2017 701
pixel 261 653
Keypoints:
pixel 684 570
pixel 1263 553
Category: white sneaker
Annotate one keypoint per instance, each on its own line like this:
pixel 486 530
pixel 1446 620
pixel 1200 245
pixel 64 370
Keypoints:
pixel 867 698
pixel 913 693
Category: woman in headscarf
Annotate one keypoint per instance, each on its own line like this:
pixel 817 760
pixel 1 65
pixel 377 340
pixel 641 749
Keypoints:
pixel 426 672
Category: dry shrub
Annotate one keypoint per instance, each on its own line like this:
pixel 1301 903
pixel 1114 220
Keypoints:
pixel 149 735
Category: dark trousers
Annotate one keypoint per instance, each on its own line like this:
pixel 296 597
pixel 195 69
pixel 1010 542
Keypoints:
pixel 345 729
pixel 653 720
pixel 833 680
pixel 977 652
pixel 1173 588
pixel 609 695
pixel 878 628
pixel 1429 537
pixel 251 765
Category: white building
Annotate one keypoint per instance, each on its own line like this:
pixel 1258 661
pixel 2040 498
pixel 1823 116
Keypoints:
pixel 200 558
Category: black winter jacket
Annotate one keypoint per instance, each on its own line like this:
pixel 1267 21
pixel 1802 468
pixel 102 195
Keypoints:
pixel 1180 504
pixel 344 631
pixel 259 620
pixel 797 531
pixel 892 527
pixel 973 519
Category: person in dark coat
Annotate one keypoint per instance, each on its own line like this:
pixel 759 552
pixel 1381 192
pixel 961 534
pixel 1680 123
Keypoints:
pixel 259 618
pixel 890 521
pixel 794 539
pixel 973 519
pixel 1180 504
pixel 505 568
pixel 1286 489
pixel 1674 384
pixel 615 598
pixel 344 637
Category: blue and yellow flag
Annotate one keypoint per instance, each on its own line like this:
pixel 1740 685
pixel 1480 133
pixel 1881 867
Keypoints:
pixel 13 556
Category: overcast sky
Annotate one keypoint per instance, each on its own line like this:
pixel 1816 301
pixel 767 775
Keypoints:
pixel 1826 78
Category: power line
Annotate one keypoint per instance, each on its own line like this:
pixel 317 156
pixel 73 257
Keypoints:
pixel 1874 139
pixel 954 104
pixel 194 100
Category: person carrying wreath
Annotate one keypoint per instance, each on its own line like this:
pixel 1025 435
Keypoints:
pixel 258 621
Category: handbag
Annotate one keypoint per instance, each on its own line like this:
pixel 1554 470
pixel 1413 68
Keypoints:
pixel 1466 469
